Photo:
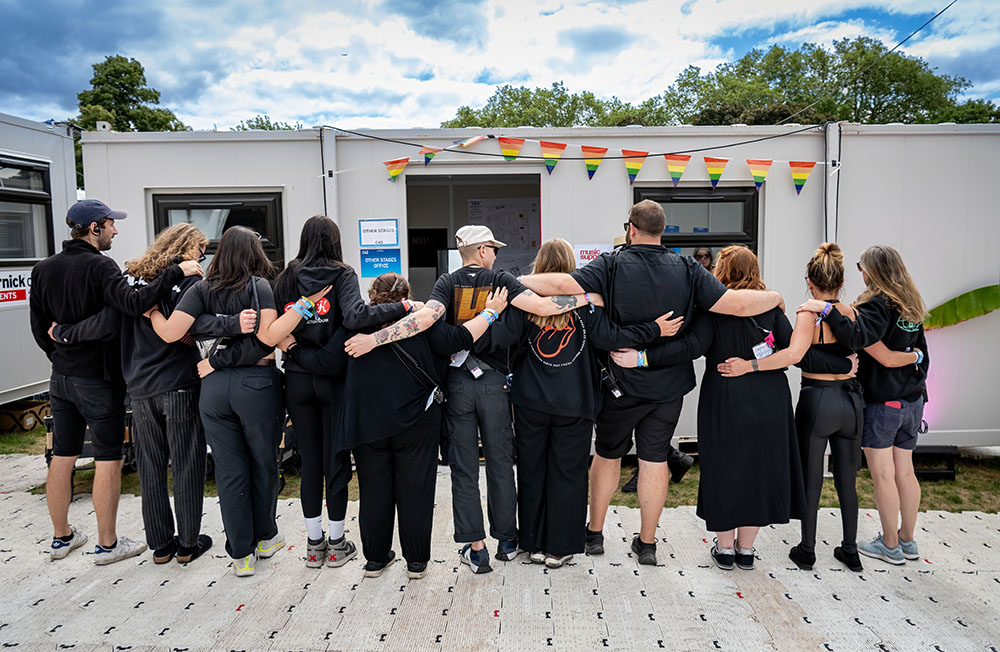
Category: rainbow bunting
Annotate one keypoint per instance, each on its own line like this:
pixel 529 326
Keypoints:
pixel 551 152
pixel 396 167
pixel 759 169
pixel 676 164
pixel 633 163
pixel 429 153
pixel 510 147
pixel 592 156
pixel 715 167
pixel 800 173
pixel 469 141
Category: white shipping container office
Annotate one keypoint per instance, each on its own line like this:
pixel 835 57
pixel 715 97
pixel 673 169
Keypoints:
pixel 924 189
pixel 37 186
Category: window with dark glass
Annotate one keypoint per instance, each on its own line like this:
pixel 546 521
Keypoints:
pixel 25 212
pixel 703 218
pixel 213 214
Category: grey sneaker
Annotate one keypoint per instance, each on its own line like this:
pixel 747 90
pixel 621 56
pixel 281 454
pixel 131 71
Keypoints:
pixel 315 552
pixel 340 552
pixel 551 561
pixel 909 549
pixel 507 550
pixel 124 549
pixel 478 560
pixel 59 549
pixel 245 566
pixel 645 552
pixel 876 549
pixel 538 557
pixel 267 547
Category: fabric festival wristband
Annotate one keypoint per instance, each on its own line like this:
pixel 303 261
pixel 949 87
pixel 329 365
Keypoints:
pixel 308 301
pixel 920 357
pixel 826 311
pixel 489 315
pixel 642 360
pixel 302 309
pixel 586 297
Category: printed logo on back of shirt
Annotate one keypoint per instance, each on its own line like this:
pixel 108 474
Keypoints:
pixel 907 326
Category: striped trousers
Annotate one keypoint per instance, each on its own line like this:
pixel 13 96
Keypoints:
pixel 167 430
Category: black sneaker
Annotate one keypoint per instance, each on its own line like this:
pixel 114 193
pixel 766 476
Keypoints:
pixel 645 552
pixel 186 554
pixel 415 569
pixel 725 561
pixel 745 560
pixel 850 559
pixel 374 568
pixel 679 466
pixel 478 560
pixel 804 560
pixel 166 553
pixel 632 486
pixel 593 543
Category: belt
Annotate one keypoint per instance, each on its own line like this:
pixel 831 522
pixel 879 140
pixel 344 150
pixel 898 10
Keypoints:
pixel 265 362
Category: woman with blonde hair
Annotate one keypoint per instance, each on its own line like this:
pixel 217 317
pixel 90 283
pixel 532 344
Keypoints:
pixel 890 311
pixel 830 406
pixel 556 391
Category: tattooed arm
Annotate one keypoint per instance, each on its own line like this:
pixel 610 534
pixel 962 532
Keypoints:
pixel 528 301
pixel 406 327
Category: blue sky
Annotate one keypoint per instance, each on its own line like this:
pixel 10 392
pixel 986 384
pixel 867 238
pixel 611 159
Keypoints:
pixel 411 63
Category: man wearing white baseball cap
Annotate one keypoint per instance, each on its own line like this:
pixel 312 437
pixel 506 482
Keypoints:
pixel 478 407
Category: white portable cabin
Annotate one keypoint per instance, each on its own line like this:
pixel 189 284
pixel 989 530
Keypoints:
pixel 37 187
pixel 924 189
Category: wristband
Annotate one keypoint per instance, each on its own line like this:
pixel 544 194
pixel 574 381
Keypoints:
pixel 826 311
pixel 586 297
pixel 302 311
pixel 920 357
pixel 490 315
pixel 641 359
pixel 753 363
pixel 407 306
pixel 308 301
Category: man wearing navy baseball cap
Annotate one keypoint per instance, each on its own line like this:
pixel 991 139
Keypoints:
pixel 86 387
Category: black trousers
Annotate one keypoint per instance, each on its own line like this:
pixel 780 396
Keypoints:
pixel 830 411
pixel 552 456
pixel 242 409
pixel 309 399
pixel 168 432
pixel 397 475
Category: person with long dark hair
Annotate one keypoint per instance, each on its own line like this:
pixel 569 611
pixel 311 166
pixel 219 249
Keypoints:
pixel 314 400
pixel 829 409
pixel 394 430
pixel 891 311
pixel 242 407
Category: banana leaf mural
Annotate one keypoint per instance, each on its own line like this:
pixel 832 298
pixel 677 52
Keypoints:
pixel 972 304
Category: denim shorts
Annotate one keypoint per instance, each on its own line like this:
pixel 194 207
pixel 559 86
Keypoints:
pixel 81 402
pixel 893 423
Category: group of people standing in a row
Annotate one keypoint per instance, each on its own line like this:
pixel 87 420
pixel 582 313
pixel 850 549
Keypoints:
pixel 610 344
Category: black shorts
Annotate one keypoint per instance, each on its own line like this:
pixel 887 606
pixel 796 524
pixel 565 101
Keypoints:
pixel 893 423
pixel 80 402
pixel 653 423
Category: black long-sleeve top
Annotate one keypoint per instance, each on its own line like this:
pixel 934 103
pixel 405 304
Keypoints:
pixel 75 284
pixel 385 394
pixel 554 369
pixel 879 321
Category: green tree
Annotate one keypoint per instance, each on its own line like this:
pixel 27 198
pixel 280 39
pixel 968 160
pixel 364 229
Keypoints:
pixel 541 107
pixel 263 122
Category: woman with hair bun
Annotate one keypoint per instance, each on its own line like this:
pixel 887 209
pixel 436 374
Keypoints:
pixel 890 310
pixel 830 406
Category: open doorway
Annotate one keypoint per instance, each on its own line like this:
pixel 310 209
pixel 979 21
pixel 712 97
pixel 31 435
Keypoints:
pixel 437 206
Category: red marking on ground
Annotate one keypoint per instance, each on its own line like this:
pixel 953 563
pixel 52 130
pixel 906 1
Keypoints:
pixel 928 561
pixel 240 607
pixel 496 613
pixel 739 595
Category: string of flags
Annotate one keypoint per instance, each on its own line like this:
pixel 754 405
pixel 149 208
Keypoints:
pixel 677 164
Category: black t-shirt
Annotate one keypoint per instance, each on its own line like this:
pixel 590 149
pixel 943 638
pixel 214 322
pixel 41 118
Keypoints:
pixel 463 294
pixel 650 280
pixel 201 298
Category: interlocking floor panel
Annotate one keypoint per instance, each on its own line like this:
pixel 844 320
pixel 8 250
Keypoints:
pixel 949 599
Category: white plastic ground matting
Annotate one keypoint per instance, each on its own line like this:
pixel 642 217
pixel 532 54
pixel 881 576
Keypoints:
pixel 948 600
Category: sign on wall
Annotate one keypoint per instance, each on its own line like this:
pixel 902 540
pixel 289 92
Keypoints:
pixel 15 286
pixel 375 262
pixel 588 252
pixel 379 232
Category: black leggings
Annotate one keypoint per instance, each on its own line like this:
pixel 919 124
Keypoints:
pixel 830 411
pixel 309 399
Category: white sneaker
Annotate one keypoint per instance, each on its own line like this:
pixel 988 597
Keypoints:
pixel 60 549
pixel 245 566
pixel 124 549
pixel 538 557
pixel 267 548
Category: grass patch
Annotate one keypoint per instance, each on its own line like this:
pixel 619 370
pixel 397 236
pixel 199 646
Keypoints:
pixel 17 442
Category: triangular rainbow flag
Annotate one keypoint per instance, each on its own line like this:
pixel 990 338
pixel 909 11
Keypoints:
pixel 552 152
pixel 469 141
pixel 429 153
pixel 715 167
pixel 800 173
pixel 759 169
pixel 676 164
pixel 396 167
pixel 633 163
pixel 510 147
pixel 593 156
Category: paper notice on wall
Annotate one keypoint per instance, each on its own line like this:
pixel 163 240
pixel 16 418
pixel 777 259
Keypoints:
pixel 515 222
pixel 588 252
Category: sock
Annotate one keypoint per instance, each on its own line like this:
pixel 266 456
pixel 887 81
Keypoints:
pixel 65 539
pixel 314 527
pixel 336 530
pixel 111 547
pixel 745 551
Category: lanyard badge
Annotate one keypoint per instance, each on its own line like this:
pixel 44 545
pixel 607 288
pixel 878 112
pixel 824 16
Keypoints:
pixel 765 348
